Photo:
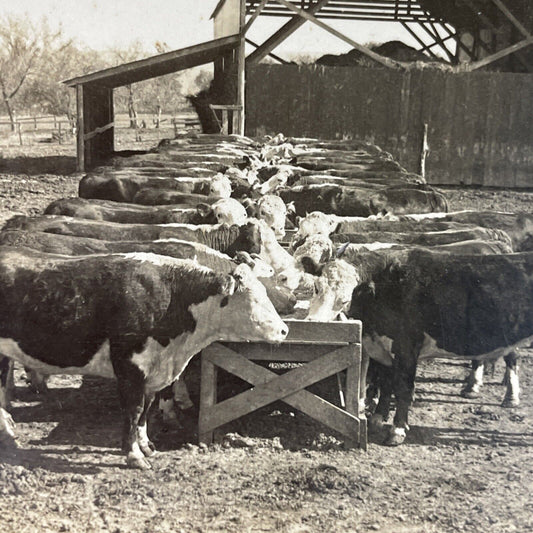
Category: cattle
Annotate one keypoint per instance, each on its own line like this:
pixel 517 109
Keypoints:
pixel 221 237
pixel 125 188
pixel 430 238
pixel 519 226
pixel 444 305
pixel 138 318
pixel 275 255
pixel 139 214
pixel 271 209
pixel 351 201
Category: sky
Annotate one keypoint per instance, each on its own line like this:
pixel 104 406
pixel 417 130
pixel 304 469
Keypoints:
pixel 101 24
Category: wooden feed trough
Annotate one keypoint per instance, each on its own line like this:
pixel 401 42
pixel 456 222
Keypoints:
pixel 325 348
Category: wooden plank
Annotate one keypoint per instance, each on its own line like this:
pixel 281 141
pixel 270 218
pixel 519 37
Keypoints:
pixel 292 353
pixel 80 130
pixel 278 389
pixel 96 131
pixel 306 331
pixel 285 31
pixel 339 420
pixel 365 50
pixel 208 397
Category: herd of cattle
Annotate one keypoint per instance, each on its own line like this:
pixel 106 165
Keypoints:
pixel 213 237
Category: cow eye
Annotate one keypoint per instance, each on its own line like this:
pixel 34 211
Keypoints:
pixel 224 301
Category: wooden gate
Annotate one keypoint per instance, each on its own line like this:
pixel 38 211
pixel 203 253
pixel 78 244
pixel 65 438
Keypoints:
pixel 324 348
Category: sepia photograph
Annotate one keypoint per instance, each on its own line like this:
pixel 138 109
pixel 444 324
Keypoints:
pixel 266 266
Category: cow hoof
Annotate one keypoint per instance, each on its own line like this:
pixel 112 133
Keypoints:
pixel 396 437
pixel 510 402
pixel 148 449
pixel 139 463
pixel 376 422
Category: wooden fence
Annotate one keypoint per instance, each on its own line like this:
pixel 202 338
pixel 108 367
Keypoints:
pixel 479 125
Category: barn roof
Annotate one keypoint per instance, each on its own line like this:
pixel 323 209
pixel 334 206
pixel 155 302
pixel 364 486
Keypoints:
pixel 158 65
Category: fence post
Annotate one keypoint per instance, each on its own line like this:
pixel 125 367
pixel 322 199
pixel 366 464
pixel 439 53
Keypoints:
pixel 34 122
pixel 424 151
pixel 19 126
pixel 59 133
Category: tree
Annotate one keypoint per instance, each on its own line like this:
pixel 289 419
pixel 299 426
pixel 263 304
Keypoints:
pixel 20 47
pixel 117 56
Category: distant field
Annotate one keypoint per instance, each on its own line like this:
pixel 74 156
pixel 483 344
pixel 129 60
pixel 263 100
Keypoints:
pixel 47 129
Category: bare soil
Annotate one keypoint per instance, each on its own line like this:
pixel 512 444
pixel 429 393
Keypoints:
pixel 467 465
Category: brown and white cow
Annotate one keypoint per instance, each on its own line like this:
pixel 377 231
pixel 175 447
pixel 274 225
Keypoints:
pixel 138 318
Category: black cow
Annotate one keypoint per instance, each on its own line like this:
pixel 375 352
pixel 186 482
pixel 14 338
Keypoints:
pixel 433 304
pixel 138 318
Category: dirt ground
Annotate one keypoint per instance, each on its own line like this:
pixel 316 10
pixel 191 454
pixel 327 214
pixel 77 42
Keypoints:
pixel 467 465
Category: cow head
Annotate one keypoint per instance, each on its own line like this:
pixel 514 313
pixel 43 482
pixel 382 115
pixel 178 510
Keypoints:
pixel 272 210
pixel 248 240
pixel 313 253
pixel 244 311
pixel 229 211
pixel 260 268
pixel 333 291
pixel 220 185
pixel 314 223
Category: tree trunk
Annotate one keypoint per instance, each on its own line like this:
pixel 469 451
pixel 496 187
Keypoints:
pixel 131 109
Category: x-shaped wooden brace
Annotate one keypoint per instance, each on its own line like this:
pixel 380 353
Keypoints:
pixel 288 387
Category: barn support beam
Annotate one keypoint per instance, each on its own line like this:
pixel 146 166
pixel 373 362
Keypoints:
pixel 255 14
pixel 272 55
pixel 241 71
pixel 438 40
pixel 363 49
pixel 80 130
pixel 494 57
pixel 425 47
pixel 285 31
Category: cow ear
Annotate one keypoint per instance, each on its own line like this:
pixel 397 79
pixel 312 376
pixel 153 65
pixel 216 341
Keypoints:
pixel 298 220
pixel 291 208
pixel 311 267
pixel 241 274
pixel 250 206
pixel 204 210
pixel 242 257
pixel 228 285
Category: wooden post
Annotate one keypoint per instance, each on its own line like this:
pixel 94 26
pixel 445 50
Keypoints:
pixel 19 126
pixel 59 132
pixel 241 70
pixel 80 129
pixel 424 152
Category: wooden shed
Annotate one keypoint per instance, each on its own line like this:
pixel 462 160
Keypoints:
pixel 94 92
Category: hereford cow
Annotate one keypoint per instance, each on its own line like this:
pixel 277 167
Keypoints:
pixel 351 201
pixel 433 304
pixel 224 238
pixel 519 226
pixel 136 317
pixel 125 188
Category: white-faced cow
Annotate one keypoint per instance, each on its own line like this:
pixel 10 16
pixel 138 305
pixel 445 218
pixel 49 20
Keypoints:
pixel 434 304
pixel 138 318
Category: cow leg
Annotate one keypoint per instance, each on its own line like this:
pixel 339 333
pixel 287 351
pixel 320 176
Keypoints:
pixel 130 381
pixel 404 372
pixel 385 386
pixel 474 380
pixel 145 444
pixel 37 381
pixel 512 393
pixel 6 381
pixel 7 430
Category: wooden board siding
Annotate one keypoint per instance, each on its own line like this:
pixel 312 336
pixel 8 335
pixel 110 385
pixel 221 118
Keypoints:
pixel 479 124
